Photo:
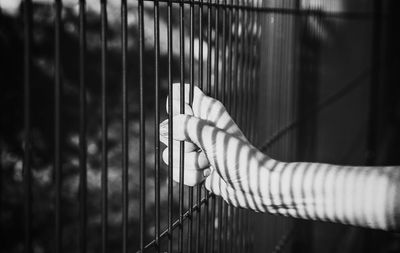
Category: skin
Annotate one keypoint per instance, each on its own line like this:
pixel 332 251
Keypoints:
pixel 217 151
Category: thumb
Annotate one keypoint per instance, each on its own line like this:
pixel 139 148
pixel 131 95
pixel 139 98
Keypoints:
pixel 193 129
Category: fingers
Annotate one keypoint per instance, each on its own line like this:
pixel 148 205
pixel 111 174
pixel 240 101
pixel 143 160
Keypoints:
pixel 176 97
pixel 193 160
pixel 190 177
pixel 196 167
pixel 189 146
pixel 207 137
pixel 203 106
pixel 188 128
pixel 206 108
pixel 176 107
pixel 176 92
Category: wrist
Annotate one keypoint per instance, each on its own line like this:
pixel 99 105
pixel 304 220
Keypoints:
pixel 271 191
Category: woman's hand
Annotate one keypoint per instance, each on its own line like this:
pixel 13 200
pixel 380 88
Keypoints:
pixel 215 150
pixel 197 166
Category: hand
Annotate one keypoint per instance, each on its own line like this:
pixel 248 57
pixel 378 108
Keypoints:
pixel 207 108
pixel 224 157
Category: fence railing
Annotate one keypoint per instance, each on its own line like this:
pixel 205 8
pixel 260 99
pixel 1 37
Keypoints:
pixel 95 76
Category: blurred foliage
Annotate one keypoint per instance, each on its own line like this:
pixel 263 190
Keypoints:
pixel 42 122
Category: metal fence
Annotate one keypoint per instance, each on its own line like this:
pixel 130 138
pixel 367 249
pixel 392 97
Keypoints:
pixel 102 119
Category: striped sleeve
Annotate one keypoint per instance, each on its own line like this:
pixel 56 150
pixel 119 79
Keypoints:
pixel 360 196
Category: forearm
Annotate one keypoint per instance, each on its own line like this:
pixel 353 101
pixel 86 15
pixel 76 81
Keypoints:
pixel 245 177
pixel 362 196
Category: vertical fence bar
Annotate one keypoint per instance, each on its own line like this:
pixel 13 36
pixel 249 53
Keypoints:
pixel 230 58
pixel 190 200
pixel 251 105
pixel 233 230
pixel 208 87
pixel 251 235
pixel 280 93
pixel 182 111
pixel 276 106
pixel 253 80
pixel 198 224
pixel 224 55
pixel 235 89
pixel 231 101
pixel 257 64
pixel 240 230
pixel 208 92
pixel 240 66
pixel 142 213
pixel 374 84
pixel 206 221
pixel 221 210
pixel 201 56
pixel 247 69
pixel 225 230
pixel 82 128
pixel 212 223
pixel 198 221
pixel 157 123
pixel 246 91
pixel 104 128
pixel 27 125
pixel 57 124
pixel 170 127
pixel 216 53
pixel 242 97
pixel 219 236
pixel 235 65
pixel 216 95
pixel 273 104
pixel 246 232
pixel 125 137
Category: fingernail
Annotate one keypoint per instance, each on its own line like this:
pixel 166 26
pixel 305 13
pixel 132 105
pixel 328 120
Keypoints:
pixel 164 128
pixel 206 172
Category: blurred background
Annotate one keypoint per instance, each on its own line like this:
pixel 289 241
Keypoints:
pixel 327 84
pixel 340 105
pixel 42 121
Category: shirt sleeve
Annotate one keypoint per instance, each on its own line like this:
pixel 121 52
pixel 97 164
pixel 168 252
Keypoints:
pixel 361 196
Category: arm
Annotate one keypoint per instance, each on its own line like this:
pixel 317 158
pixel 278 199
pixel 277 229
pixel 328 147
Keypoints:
pixel 245 177
pixel 361 196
